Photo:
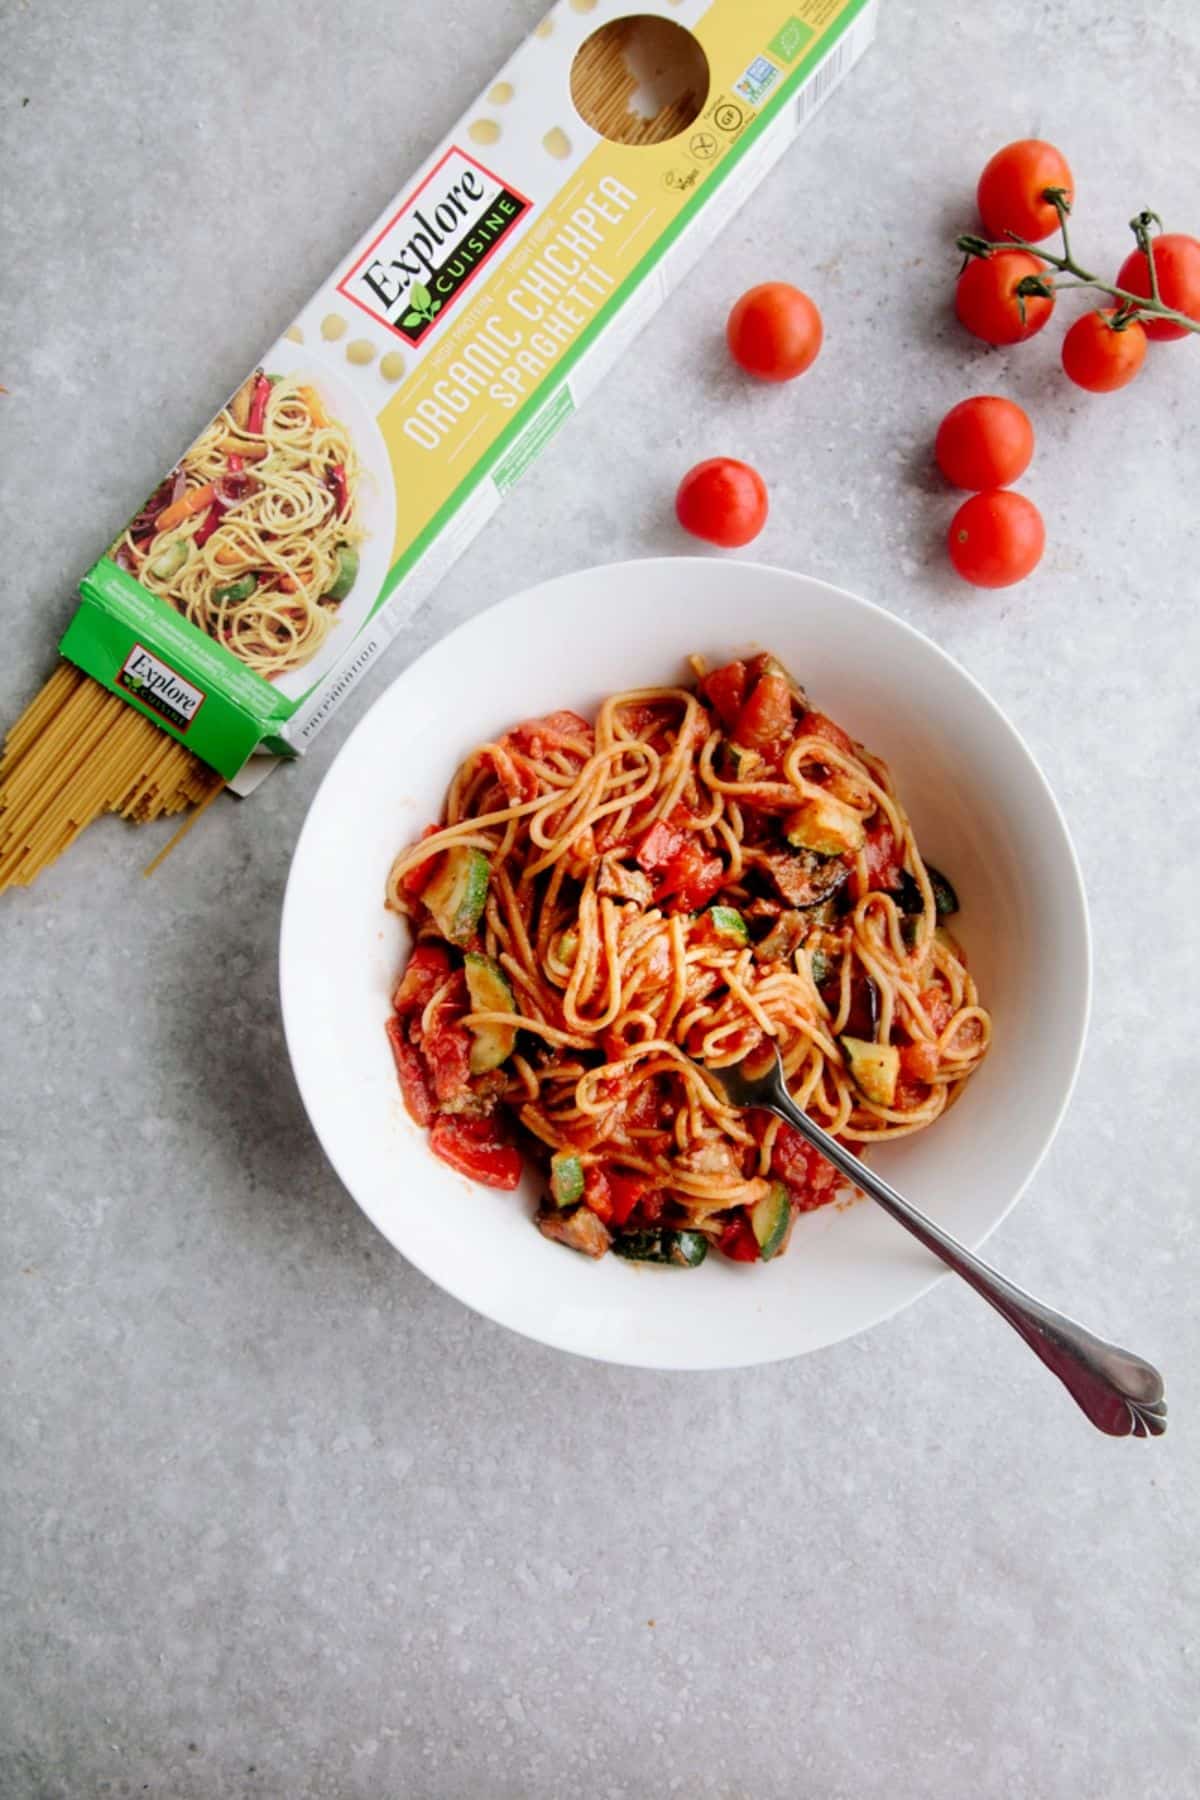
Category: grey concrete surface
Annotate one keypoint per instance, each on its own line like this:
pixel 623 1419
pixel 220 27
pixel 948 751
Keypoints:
pixel 276 1516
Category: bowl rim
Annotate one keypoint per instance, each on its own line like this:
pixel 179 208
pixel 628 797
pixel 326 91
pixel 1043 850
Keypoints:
pixel 443 647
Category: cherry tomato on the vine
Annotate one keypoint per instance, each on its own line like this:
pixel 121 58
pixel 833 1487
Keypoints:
pixel 723 501
pixel 1012 189
pixel 1101 356
pixel 984 442
pixel 996 538
pixel 988 304
pixel 774 331
pixel 1177 265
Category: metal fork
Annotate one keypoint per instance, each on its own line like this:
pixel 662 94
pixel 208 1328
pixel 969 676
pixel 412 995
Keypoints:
pixel 1121 1394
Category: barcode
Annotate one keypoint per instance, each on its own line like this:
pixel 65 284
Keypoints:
pixel 826 76
pixel 824 79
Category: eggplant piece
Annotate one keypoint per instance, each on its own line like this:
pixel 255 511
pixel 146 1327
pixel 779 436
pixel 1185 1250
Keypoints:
pixel 579 1230
pixel 783 939
pixel 944 897
pixel 863 1018
pixel 907 894
pixel 615 879
pixel 804 877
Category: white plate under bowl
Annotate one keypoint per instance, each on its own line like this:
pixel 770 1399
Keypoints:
pixel 981 809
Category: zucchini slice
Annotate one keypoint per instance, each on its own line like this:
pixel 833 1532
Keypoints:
pixel 681 1249
pixel 874 1068
pixel 566 1178
pixel 489 989
pixel 771 1218
pixel 167 564
pixel 728 922
pixel 825 824
pixel 737 763
pixel 346 573
pixel 564 948
pixel 458 893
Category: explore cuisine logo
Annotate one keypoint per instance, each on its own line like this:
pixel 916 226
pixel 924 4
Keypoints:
pixel 158 686
pixel 434 246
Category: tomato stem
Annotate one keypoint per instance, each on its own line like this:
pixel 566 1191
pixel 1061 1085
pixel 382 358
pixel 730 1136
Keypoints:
pixel 1062 206
pixel 1137 304
pixel 1140 228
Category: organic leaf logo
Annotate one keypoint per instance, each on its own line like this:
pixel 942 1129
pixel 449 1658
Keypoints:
pixel 424 307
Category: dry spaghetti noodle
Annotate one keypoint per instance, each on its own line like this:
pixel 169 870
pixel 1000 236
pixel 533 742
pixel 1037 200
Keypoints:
pixel 704 869
pixel 77 752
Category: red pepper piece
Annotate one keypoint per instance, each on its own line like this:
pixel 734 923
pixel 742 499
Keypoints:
pixel 209 523
pixel 340 489
pixel 258 405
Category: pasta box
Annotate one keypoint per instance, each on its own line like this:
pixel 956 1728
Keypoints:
pixel 382 430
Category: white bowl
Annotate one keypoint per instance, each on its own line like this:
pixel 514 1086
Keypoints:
pixel 981 809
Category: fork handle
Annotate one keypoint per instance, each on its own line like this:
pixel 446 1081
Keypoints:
pixel 1121 1394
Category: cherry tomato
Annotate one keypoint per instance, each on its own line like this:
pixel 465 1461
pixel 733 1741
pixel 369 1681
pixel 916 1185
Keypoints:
pixel 723 501
pixel 725 689
pixel 815 724
pixel 774 332
pixel 920 1060
pixel 1102 358
pixel 625 1192
pixel 1012 186
pixel 474 1147
pixel 738 1241
pixel 984 442
pixel 811 1180
pixel 885 864
pixel 428 967
pixel 996 538
pixel 410 1070
pixel 987 304
pixel 1177 265
pixel 767 715
pixel 690 879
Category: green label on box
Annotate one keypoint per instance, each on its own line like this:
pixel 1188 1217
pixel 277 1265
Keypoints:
pixel 131 643
pixel 790 40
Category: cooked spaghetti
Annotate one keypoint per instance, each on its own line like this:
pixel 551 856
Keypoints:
pixel 254 538
pixel 702 870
